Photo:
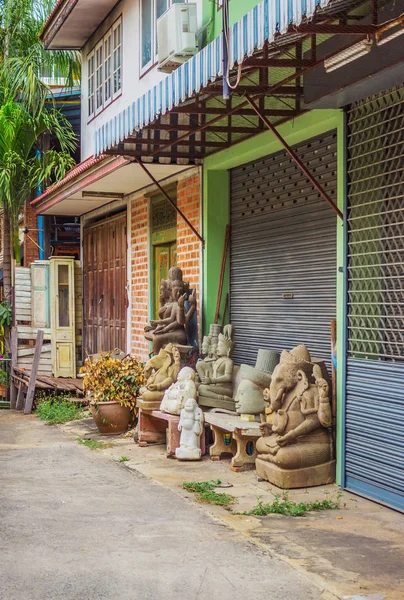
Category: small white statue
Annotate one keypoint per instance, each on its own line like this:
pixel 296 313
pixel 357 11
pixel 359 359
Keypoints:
pixel 178 392
pixel 191 427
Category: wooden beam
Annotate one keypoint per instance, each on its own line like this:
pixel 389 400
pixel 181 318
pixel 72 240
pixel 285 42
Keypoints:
pixel 182 127
pixel 277 62
pixel 237 110
pixel 186 143
pixel 139 153
pixel 34 371
pixel 14 355
pixel 334 29
pixel 264 89
pixel 117 195
pixel 295 158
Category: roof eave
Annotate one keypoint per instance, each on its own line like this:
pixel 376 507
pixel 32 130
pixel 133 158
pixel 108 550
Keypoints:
pixel 54 22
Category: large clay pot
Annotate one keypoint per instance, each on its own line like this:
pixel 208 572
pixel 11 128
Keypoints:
pixel 110 417
pixel 3 390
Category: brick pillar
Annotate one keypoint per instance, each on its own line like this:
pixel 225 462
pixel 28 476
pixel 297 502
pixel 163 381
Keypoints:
pixel 189 248
pixel 31 251
pixel 139 277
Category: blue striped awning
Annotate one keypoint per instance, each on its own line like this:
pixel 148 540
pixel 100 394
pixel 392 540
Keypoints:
pixel 265 21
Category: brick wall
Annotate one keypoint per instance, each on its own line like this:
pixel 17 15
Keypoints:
pixel 188 246
pixel 188 256
pixel 139 277
pixel 31 251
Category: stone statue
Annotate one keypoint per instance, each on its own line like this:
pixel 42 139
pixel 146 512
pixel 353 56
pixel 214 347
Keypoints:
pixel 204 366
pixel 161 371
pixel 173 318
pixel 296 449
pixel 250 392
pixel 216 387
pixel 191 427
pixel 178 392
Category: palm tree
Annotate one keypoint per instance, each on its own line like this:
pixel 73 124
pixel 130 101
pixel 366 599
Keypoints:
pixel 25 113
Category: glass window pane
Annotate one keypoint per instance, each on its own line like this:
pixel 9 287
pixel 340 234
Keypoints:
pixel 147 37
pixel 63 295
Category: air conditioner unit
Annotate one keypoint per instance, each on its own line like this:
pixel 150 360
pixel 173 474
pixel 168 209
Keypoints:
pixel 176 36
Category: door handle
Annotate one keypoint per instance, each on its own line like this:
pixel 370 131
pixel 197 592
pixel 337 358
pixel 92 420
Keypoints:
pixel 101 299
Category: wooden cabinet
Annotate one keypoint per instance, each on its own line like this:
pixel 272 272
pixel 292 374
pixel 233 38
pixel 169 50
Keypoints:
pixel 62 316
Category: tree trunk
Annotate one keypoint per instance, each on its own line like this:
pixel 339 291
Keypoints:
pixel 7 257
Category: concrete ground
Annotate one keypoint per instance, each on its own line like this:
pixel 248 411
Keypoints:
pixel 156 541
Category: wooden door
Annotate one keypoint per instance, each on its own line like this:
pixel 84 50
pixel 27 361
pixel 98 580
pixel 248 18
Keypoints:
pixel 104 279
pixel 164 257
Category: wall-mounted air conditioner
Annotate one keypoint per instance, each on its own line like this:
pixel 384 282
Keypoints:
pixel 176 36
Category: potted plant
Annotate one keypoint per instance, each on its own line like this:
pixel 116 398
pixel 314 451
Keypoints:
pixel 113 385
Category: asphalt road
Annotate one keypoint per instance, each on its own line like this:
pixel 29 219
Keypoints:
pixel 76 526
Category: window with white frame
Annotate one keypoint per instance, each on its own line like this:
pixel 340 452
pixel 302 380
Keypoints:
pixel 151 10
pixel 104 66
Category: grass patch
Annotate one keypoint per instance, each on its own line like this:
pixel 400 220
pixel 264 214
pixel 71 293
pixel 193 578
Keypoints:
pixel 283 505
pixel 205 492
pixel 124 459
pixel 55 409
pixel 94 444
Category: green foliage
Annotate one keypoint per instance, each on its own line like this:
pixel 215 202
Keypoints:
pixel 205 492
pixel 6 314
pixel 57 409
pixel 94 444
pixel 124 459
pixel 283 505
pixel 4 378
pixel 109 379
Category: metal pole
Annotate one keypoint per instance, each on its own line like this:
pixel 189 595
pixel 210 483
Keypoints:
pixel 225 36
pixel 294 157
pixel 173 204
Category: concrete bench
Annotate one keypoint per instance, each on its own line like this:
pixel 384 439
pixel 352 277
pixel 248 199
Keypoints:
pixel 233 436
pixel 155 426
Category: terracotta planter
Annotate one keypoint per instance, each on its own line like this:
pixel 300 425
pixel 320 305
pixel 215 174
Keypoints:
pixel 110 417
pixel 3 390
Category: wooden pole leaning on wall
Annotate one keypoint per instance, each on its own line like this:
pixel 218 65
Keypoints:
pixel 34 371
pixel 222 271
pixel 14 354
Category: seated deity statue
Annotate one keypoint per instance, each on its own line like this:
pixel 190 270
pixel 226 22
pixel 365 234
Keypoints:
pixel 161 371
pixel 295 449
pixel 191 427
pixel 173 318
pixel 216 388
pixel 204 366
pixel 178 392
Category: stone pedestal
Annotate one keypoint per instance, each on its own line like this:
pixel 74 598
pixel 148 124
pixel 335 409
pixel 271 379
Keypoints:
pixel 296 478
pixel 149 405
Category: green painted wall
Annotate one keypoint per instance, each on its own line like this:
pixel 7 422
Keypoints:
pixel 237 9
pixel 216 211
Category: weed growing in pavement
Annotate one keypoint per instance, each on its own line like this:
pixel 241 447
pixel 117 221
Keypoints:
pixel 205 492
pixel 94 444
pixel 58 409
pixel 124 459
pixel 283 505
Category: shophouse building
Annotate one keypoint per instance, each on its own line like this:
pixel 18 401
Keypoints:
pixel 295 112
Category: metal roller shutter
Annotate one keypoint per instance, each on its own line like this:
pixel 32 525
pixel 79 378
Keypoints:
pixel 374 454
pixel 283 252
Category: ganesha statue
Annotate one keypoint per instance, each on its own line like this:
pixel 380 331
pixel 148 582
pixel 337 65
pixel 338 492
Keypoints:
pixel 161 371
pixel 296 449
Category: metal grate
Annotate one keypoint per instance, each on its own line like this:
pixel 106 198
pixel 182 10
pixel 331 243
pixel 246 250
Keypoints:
pixel 376 227
pixel 283 252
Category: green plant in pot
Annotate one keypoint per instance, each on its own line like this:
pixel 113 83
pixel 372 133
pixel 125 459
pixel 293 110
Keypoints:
pixel 113 385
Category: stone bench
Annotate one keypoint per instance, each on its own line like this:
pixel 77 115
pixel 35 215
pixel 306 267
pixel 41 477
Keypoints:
pixel 242 437
pixel 155 426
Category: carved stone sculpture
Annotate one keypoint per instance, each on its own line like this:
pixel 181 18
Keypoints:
pixel 204 366
pixel 161 372
pixel 190 426
pixel 173 318
pixel 216 388
pixel 175 397
pixel 250 392
pixel 296 449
